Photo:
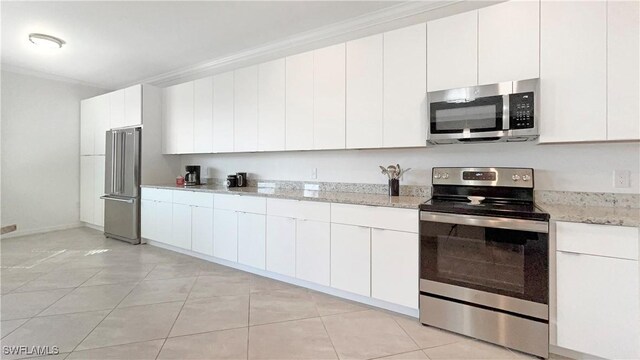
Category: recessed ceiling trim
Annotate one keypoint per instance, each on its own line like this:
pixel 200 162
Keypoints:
pixel 380 17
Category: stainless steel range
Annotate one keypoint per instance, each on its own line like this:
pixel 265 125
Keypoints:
pixel 484 258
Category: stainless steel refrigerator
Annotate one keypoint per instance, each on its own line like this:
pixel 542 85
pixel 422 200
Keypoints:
pixel 122 185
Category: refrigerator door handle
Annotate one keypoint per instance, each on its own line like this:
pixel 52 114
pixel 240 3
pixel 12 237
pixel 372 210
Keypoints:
pixel 128 201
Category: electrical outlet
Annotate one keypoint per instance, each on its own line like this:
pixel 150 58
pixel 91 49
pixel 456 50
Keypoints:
pixel 621 178
pixel 314 173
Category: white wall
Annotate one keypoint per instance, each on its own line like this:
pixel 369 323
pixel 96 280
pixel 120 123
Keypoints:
pixel 567 167
pixel 41 151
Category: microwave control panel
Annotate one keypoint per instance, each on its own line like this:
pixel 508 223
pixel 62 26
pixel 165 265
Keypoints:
pixel 521 110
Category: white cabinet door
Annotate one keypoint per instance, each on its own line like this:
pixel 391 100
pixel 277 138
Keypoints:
pixel 133 105
pixel 519 47
pixel 87 186
pixel 202 230
pixel 163 222
pixel 573 63
pixel 623 70
pixel 329 97
pixel 313 251
pixel 452 56
pixel 597 305
pixel 225 234
pixel 148 216
pixel 281 245
pixel 299 102
pixel 394 267
pixel 88 120
pixel 251 239
pixel 223 112
pixel 181 229
pixel 364 72
pixel 203 115
pixel 405 90
pixel 117 109
pixel 178 118
pixel 271 101
pixel 101 124
pixel 245 123
pixel 351 258
pixel 98 190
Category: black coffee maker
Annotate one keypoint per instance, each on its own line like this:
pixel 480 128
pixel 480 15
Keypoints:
pixel 192 177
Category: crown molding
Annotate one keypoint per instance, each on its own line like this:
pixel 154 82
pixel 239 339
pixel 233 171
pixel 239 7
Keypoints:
pixel 44 75
pixel 301 42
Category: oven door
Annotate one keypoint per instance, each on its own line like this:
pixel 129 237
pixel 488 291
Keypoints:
pixel 498 263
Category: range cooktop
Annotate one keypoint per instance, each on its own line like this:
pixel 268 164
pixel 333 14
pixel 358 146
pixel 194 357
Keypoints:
pixel 517 210
pixel 504 192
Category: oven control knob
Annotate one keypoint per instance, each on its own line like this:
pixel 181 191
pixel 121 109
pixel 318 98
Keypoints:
pixel 526 177
pixel 436 176
pixel 445 175
pixel 515 177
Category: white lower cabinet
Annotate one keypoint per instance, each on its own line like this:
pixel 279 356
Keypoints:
pixel 251 239
pixel 364 250
pixel 281 245
pixel 91 188
pixel 202 230
pixel 156 220
pixel 313 251
pixel 225 234
pixel 181 228
pixel 394 267
pixel 351 258
pixel 598 290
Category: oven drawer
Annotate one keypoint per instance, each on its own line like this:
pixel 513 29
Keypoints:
pixel 499 328
pixel 601 240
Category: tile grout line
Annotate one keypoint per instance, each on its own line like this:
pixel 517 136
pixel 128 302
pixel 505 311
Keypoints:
pixel 100 322
pixel 405 331
pixel 178 316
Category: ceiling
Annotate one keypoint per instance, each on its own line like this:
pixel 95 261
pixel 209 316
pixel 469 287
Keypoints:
pixel 114 43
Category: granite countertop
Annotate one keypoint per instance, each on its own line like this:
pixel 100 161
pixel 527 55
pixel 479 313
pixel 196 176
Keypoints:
pixel 604 215
pixel 406 202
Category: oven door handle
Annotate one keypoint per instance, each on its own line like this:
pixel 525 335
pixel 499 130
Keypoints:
pixel 487 221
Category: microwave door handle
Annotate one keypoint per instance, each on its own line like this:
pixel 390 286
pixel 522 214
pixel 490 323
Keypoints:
pixel 506 115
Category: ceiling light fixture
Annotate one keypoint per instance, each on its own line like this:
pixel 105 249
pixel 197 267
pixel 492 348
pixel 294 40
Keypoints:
pixel 47 41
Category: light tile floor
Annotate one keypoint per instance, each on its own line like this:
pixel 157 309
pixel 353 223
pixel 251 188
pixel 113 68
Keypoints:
pixel 96 298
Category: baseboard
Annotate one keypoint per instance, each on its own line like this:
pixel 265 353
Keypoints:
pixel 306 284
pixel 19 233
pixel 571 354
pixel 94 227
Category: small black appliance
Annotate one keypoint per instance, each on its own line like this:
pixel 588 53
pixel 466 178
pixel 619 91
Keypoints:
pixel 192 177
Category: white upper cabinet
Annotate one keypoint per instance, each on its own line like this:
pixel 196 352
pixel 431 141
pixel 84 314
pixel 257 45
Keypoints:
pixel 329 97
pixel 88 113
pixel 223 112
pixel 271 106
pixel 203 115
pixel 623 69
pixel 364 91
pixel 178 118
pixel 452 59
pixel 101 124
pixel 117 109
pixel 508 42
pixel 573 78
pixel 133 105
pixel 299 101
pixel 245 128
pixel 405 90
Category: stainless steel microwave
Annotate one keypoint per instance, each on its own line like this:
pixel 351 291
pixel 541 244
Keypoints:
pixel 506 111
